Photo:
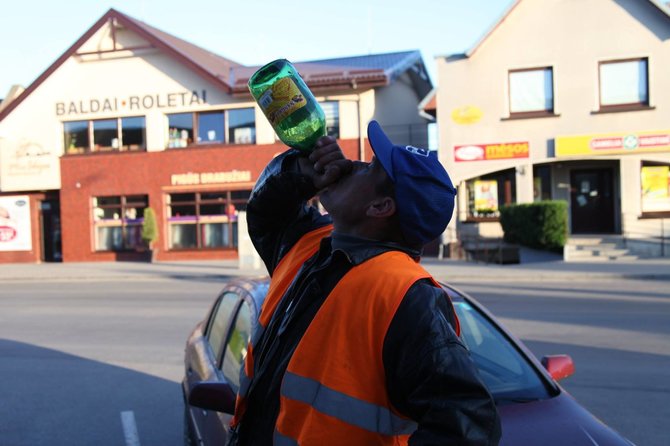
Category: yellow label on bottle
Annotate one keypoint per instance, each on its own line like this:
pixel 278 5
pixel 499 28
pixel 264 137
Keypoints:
pixel 280 100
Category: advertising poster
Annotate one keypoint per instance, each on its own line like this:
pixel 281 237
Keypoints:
pixel 486 196
pixel 15 223
pixel 655 188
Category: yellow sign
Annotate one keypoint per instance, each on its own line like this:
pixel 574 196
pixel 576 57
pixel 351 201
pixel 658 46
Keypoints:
pixel 655 188
pixel 613 143
pixel 468 114
pixel 486 196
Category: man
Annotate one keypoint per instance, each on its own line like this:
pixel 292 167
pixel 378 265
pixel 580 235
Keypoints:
pixel 356 343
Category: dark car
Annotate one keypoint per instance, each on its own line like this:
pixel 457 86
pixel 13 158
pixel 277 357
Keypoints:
pixel 534 408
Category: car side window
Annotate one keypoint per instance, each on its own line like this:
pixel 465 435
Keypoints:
pixel 236 347
pixel 220 321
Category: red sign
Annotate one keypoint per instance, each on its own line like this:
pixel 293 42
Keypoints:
pixel 7 233
pixel 488 152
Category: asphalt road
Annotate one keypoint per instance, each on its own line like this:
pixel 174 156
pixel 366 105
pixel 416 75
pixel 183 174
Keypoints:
pixel 100 362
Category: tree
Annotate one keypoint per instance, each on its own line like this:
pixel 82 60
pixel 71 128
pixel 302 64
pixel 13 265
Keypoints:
pixel 150 230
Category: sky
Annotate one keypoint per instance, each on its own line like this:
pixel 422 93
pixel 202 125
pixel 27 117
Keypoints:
pixel 34 33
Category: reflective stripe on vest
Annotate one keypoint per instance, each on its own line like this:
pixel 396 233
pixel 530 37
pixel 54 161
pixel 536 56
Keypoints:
pixel 348 409
pixel 282 278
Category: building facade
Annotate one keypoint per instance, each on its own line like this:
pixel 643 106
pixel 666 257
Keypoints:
pixel 131 117
pixel 564 100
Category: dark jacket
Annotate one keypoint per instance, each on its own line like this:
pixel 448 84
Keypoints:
pixel 430 375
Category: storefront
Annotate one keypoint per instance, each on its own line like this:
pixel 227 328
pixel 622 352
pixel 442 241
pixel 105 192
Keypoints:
pixel 131 118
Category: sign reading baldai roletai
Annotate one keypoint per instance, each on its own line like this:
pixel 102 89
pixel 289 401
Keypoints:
pixel 131 103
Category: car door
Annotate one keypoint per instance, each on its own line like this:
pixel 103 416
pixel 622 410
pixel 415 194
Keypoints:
pixel 222 318
pixel 228 334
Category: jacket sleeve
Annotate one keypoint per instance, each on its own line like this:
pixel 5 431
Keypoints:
pixel 278 213
pixel 431 377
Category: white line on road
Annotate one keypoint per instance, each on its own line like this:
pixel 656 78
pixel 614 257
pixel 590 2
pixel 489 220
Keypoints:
pixel 130 428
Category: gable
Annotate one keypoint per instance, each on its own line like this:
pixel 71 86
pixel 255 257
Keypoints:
pixel 540 21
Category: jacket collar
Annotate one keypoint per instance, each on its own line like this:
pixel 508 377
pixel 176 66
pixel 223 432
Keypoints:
pixel 359 249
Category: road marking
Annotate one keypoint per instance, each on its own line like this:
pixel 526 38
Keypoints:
pixel 130 428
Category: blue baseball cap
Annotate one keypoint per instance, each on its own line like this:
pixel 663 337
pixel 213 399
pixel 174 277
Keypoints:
pixel 424 193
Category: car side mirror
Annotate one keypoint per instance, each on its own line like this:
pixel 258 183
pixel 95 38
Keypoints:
pixel 215 396
pixel 559 366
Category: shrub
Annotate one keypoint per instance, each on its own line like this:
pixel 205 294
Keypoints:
pixel 540 225
pixel 149 227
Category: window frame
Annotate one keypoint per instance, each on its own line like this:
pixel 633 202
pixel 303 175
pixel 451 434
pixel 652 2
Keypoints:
pixel 195 119
pixel 540 113
pixel 90 131
pixel 199 219
pixel 122 222
pixel 622 107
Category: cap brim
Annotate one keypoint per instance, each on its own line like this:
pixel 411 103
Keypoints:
pixel 382 147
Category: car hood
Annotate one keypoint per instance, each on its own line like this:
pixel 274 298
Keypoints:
pixel 557 421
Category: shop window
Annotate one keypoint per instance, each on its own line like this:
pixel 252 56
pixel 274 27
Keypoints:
pixel 624 84
pixel 117 222
pixel 531 93
pixel 488 193
pixel 205 219
pixel 76 136
pixel 541 183
pixel 332 111
pixel 128 133
pixel 236 126
pixel 655 182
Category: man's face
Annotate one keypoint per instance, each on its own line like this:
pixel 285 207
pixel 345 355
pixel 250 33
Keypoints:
pixel 347 200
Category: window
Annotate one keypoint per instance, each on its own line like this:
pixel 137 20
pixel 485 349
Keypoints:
pixel 205 219
pixel 242 126
pixel 531 93
pixel 76 137
pixel 219 322
pixel 505 372
pixel 624 84
pixel 127 133
pixel 210 127
pixel 655 182
pixel 117 222
pixel 488 193
pixel 541 183
pixel 105 134
pixel 236 347
pixel 332 111
pixel 180 129
pixel 235 126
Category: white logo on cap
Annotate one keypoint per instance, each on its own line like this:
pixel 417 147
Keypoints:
pixel 417 151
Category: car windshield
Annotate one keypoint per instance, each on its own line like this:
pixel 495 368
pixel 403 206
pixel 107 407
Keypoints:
pixel 505 371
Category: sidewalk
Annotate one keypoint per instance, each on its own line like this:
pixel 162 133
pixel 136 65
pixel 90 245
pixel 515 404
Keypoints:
pixel 539 269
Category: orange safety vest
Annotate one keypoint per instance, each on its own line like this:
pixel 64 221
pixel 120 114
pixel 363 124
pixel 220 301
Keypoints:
pixel 334 390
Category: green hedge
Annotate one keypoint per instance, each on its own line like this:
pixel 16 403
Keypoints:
pixel 540 225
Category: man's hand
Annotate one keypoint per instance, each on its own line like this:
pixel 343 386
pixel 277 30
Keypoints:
pixel 326 164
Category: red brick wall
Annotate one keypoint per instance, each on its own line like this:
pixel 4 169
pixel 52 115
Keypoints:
pixel 126 173
pixel 34 255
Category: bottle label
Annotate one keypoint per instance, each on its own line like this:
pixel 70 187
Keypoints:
pixel 280 100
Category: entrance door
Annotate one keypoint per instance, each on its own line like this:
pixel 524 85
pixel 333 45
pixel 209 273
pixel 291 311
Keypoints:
pixel 51 242
pixel 592 201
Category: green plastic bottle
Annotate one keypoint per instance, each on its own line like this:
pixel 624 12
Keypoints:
pixel 289 105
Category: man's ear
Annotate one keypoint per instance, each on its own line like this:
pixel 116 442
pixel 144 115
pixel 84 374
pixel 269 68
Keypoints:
pixel 381 207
